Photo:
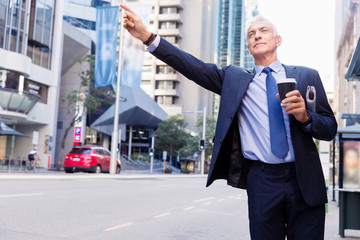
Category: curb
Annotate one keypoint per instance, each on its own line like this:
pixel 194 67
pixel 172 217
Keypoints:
pixel 47 176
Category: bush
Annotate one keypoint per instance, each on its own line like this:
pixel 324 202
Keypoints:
pixel 141 157
pixel 168 170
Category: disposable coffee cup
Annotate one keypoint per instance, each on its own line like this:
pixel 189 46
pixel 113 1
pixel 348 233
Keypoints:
pixel 285 85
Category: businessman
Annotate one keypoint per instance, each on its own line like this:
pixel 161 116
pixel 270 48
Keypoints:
pixel 259 145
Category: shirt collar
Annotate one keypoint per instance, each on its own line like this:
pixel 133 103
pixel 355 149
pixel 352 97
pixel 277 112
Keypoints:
pixel 275 66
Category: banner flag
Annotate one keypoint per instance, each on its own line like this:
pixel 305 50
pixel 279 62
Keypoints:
pixel 133 50
pixel 107 25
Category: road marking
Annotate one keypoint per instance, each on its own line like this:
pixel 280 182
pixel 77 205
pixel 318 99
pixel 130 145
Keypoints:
pixel 204 199
pixel 119 226
pixel 208 203
pixel 188 208
pixel 221 199
pixel 21 195
pixel 162 215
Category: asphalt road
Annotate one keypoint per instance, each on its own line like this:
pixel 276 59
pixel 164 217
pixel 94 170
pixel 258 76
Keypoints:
pixel 176 208
pixel 127 208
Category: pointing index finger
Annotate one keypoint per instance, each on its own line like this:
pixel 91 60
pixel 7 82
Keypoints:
pixel 126 8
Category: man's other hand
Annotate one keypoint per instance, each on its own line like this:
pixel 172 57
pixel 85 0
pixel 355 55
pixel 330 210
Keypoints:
pixel 296 107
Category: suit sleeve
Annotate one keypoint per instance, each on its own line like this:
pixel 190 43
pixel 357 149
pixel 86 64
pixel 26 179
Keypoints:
pixel 323 126
pixel 206 75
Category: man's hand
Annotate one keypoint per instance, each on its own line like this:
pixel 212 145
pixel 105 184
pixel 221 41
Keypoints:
pixel 134 25
pixel 296 107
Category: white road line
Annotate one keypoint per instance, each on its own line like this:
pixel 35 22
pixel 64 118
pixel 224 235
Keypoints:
pixel 119 226
pixel 189 208
pixel 204 199
pixel 21 195
pixel 162 215
pixel 207 203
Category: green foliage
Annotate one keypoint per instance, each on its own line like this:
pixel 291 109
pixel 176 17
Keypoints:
pixel 141 156
pixel 209 133
pixel 172 137
pixel 86 95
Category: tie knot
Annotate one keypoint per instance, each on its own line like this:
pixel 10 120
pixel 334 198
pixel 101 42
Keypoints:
pixel 267 70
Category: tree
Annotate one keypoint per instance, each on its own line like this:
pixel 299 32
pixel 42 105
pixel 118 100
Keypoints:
pixel 172 137
pixel 83 100
pixel 209 133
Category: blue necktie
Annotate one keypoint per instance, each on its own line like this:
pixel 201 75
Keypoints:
pixel 278 139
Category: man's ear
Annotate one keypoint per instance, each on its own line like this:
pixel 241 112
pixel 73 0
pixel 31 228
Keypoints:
pixel 278 40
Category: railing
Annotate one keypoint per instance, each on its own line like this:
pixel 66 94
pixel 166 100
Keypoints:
pixel 18 163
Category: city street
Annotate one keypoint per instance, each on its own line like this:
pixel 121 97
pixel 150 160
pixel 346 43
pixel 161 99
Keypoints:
pixel 145 207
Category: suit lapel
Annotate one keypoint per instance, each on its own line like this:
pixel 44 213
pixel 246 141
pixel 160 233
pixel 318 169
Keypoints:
pixel 242 85
pixel 292 72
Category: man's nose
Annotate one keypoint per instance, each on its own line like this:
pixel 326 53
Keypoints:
pixel 257 35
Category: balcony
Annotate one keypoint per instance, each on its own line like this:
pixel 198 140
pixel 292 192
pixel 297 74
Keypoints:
pixel 169 32
pixel 166 92
pixel 175 17
pixel 167 76
pixel 14 101
pixel 171 3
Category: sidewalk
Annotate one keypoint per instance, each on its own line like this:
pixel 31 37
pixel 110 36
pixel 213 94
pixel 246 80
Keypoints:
pixel 331 222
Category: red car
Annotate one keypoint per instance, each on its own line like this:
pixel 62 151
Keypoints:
pixel 94 159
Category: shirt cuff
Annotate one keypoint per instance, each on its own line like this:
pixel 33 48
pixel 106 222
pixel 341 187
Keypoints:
pixel 154 44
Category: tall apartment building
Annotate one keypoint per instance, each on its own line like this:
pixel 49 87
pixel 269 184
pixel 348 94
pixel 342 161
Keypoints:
pixel 188 25
pixel 32 63
pixel 347 65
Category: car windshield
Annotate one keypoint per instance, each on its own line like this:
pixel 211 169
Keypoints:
pixel 81 150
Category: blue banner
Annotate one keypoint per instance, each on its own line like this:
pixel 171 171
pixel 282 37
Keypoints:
pixel 107 25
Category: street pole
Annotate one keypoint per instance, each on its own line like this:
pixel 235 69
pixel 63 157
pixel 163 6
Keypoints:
pixel 203 137
pixel 114 138
pixel 152 156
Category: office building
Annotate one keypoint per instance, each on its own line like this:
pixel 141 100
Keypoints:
pixel 32 63
pixel 347 64
pixel 188 25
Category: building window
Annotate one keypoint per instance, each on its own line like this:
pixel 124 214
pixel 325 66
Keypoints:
pixel 12 25
pixel 40 32
pixel 165 85
pixel 165 70
pixel 169 10
pixel 165 100
pixel 36 88
pixel 168 25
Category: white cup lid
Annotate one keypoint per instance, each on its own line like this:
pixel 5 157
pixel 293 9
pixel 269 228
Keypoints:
pixel 286 80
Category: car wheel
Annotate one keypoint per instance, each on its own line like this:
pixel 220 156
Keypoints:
pixel 69 170
pixel 98 169
pixel 118 169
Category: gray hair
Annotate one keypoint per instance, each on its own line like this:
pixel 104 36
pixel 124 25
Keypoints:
pixel 260 19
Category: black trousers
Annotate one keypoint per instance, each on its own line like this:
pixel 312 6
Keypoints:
pixel 277 208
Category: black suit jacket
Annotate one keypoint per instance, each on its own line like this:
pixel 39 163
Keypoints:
pixel 231 83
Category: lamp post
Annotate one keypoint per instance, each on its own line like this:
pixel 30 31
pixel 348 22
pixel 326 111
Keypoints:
pixel 202 164
pixel 115 136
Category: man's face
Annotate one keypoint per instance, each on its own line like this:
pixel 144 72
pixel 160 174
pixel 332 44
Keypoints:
pixel 261 39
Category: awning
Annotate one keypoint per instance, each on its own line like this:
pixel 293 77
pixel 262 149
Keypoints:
pixel 139 110
pixel 353 73
pixel 6 130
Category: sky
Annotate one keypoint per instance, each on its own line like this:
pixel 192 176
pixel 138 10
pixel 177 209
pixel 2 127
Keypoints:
pixel 307 29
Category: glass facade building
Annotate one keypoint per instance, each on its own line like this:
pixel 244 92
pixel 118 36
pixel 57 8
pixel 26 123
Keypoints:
pixel 230 36
pixel 251 11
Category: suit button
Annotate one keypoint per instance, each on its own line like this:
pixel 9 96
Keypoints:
pixel 220 141
pixel 231 118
